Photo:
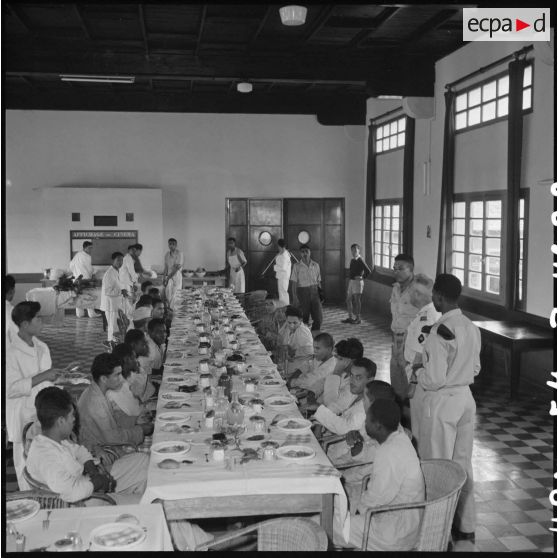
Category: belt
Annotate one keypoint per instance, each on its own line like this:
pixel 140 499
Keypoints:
pixel 398 334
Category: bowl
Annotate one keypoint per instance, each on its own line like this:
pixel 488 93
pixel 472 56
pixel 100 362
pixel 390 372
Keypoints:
pixel 187 273
pixel 199 273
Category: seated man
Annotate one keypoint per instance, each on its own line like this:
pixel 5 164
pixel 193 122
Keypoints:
pixel 142 313
pixel 68 468
pixel 145 286
pixel 396 479
pixel 337 395
pixel 156 336
pixel 158 308
pixel 268 326
pixel 140 385
pixel 322 366
pixel 126 406
pixel 297 339
pixel 154 292
pixel 98 421
pixel 362 371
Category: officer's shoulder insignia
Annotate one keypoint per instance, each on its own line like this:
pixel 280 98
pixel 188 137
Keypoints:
pixel 445 333
pixel 426 328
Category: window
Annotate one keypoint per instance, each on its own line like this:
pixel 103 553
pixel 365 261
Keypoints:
pixel 522 271
pixel 477 249
pixel 387 232
pixel 390 135
pixel 489 100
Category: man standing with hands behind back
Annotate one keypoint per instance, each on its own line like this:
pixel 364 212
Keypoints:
pixel 358 271
pixel 112 293
pixel 402 313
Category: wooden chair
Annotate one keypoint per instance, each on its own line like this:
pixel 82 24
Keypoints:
pixel 444 480
pixel 283 534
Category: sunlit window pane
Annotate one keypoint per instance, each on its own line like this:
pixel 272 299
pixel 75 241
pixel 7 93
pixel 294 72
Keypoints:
pixel 521 208
pixel 400 140
pixel 387 210
pixel 521 248
pixel 378 211
pixel 526 99
pixel 493 284
pixel 385 249
pixel 458 259
pixel 395 210
pixel 475 245
pixel 527 76
pixel 475 97
pixel 520 291
pixel 475 227
pixel 461 102
pixel 385 262
pixel 477 209
pixel 459 226
pixel 460 120
pixel 395 237
pixel 459 209
pixel 493 246
pixel 377 248
pixel 395 224
pixel 475 280
pixel 474 116
pixel 379 133
pixel 503 86
pixel 377 260
pixel 493 227
pixel 494 209
pixel 458 243
pixel 378 223
pixel 493 266
pixel 459 274
pixel 475 262
pixel 385 236
pixel 489 111
pixel 489 91
pixel 379 147
pixel 393 142
pixel 393 128
pixel 502 107
pixel 401 124
pixel 386 144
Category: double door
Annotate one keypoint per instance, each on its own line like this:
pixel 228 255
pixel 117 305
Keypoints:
pixel 257 224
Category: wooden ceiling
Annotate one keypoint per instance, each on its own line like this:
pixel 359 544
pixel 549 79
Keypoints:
pixel 189 57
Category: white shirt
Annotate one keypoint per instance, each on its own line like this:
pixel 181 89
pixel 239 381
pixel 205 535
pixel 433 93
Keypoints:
pixel 415 339
pixel 111 291
pixel 451 363
pixel 127 273
pixel 124 399
pixel 60 467
pixel 282 265
pixel 81 265
pixel 337 395
pixel 22 363
pixel 396 479
pixel 314 379
pixel 173 259
pixel 300 340
pixel 350 419
pixel 11 328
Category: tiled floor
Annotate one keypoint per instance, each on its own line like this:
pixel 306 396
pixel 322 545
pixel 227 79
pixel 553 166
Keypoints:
pixel 514 440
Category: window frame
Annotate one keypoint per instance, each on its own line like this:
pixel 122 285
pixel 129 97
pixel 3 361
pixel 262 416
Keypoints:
pixel 383 203
pixel 480 85
pixel 484 196
pixel 388 123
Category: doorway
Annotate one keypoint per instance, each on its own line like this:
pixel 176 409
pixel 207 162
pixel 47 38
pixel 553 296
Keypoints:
pixel 258 223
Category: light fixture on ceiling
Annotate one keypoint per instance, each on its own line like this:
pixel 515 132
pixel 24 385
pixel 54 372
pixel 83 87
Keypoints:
pixel 244 87
pixel 97 79
pixel 384 97
pixel 293 15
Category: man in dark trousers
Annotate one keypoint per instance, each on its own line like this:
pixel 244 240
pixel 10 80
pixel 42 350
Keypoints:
pixel 358 271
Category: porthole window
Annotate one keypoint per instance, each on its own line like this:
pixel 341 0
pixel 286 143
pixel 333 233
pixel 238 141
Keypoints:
pixel 304 237
pixel 265 238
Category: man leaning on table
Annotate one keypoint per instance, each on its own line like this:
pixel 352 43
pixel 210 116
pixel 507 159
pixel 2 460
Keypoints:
pixel 99 425
pixel 68 468
pixel 81 266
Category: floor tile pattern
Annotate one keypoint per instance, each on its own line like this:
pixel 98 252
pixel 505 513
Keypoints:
pixel 513 456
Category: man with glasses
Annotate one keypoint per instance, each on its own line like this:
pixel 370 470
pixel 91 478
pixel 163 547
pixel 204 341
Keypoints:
pixel 402 314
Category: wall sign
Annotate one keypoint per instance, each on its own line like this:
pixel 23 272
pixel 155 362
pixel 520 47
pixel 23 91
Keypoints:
pixel 104 243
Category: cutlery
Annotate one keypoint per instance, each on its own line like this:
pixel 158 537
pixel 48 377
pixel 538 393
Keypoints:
pixel 46 522
pixel 207 457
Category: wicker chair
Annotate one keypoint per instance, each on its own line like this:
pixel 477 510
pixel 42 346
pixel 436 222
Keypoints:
pixel 48 500
pixel 283 534
pixel 444 480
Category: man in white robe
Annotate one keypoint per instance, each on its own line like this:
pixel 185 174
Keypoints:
pixel 112 293
pixel 9 292
pixel 69 469
pixel 28 370
pixel 282 270
pixel 396 479
pixel 128 279
pixel 172 274
pixel 81 265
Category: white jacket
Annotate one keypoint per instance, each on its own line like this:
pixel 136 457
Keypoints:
pixel 111 291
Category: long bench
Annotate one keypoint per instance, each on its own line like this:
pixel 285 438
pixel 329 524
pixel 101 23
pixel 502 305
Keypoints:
pixel 515 338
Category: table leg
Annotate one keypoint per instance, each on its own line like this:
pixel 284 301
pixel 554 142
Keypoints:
pixel 326 519
pixel 515 358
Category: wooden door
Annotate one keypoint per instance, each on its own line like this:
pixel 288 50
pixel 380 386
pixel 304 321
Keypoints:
pixel 323 221
pixel 250 221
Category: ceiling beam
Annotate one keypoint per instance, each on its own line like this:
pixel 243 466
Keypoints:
pixel 260 27
pixel 323 16
pixel 141 13
pixel 22 19
pixel 200 30
pixel 82 23
pixel 385 15
pixel 428 26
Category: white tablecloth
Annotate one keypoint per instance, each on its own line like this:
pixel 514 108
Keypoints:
pixel 84 520
pixel 314 476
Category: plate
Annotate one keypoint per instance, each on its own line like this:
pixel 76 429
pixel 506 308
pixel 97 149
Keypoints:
pixel 117 536
pixel 295 424
pixel 272 382
pixel 20 510
pixel 173 416
pixel 278 401
pixel 170 448
pixel 175 396
pixel 295 453
pixel 175 379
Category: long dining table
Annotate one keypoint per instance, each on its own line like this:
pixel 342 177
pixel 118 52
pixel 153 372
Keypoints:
pixel 203 487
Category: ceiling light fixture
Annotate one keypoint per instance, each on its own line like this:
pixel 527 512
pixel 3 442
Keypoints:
pixel 384 97
pixel 293 15
pixel 97 79
pixel 244 87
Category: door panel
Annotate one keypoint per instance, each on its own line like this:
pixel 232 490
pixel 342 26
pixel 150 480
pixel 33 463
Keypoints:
pixel 265 212
pixel 332 261
pixel 237 212
pixel 333 237
pixel 333 212
pixel 305 211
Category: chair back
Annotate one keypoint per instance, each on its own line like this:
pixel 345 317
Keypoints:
pixel 444 480
pixel 47 500
pixel 291 534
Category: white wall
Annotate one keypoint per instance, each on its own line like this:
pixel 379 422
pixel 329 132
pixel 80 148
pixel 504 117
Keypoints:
pixel 481 164
pixel 197 160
